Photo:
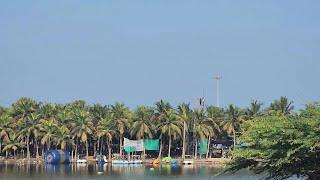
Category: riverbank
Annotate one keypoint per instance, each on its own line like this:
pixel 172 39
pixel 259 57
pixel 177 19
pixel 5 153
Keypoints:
pixel 91 160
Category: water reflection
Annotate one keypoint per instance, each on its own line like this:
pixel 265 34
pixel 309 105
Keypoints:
pixel 75 171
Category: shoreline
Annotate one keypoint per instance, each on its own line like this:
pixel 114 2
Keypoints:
pixel 40 161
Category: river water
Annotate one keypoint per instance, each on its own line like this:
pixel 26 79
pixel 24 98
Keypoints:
pixel 130 172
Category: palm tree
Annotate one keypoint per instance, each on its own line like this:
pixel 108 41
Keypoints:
pixel 215 115
pixel 203 127
pixel 161 107
pixel 105 129
pixel 48 131
pixel 31 128
pixel 184 113
pixel 122 120
pixel 13 143
pixel 23 107
pixel 282 107
pixel 82 128
pixel 64 137
pixel 5 129
pixel 142 126
pixel 98 113
pixel 233 121
pixel 170 126
pixel 254 110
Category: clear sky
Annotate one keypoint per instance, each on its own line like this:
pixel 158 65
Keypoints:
pixel 140 51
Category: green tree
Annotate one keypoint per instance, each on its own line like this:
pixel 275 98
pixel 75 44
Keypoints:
pixel 170 126
pixel 82 127
pixel 253 111
pixel 64 137
pixel 5 129
pixel 280 146
pixel 48 132
pixel 106 129
pixel 142 125
pixel 121 120
pixel 203 127
pixel 98 114
pixel 281 107
pixel 13 143
pixel 232 122
pixel 184 115
pixel 30 127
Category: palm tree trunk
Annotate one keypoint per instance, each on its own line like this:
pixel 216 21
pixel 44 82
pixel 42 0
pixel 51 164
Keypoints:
pixel 144 151
pixel 0 146
pixel 234 139
pixel 109 150
pixel 208 146
pixel 169 146
pixel 160 151
pixel 98 146
pixel 49 144
pixel 184 141
pixel 87 149
pixel 37 147
pixel 28 148
pixel 94 148
pixel 120 143
pixel 76 150
pixel 196 150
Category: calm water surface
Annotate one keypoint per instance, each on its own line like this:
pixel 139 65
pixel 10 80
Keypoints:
pixel 132 172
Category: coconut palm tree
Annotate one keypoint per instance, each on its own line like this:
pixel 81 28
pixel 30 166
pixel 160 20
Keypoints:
pixel 142 126
pixel 82 127
pixel 106 129
pixel 30 127
pixel 48 131
pixel 64 137
pixel 203 127
pixel 14 143
pixel 98 113
pixel 122 121
pixel 184 115
pixel 161 107
pixel 282 107
pixel 215 116
pixel 23 107
pixel 5 129
pixel 254 110
pixel 232 122
pixel 170 126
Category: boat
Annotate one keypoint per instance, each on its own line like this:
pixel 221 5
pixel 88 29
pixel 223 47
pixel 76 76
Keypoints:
pixel 126 161
pixel 81 161
pixel 135 159
pixel 188 160
pixel 101 159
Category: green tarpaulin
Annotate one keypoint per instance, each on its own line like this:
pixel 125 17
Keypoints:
pixel 203 147
pixel 129 149
pixel 151 144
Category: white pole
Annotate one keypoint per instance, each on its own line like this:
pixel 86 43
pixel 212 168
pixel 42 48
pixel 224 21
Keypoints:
pixel 218 78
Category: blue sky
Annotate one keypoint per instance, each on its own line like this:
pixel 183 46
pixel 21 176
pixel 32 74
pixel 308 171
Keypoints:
pixel 138 52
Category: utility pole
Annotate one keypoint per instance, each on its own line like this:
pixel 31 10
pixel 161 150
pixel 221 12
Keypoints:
pixel 218 78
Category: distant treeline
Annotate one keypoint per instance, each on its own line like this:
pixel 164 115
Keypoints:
pixel 28 128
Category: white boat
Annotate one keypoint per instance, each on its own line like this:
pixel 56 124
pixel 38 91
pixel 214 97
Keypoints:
pixel 101 158
pixel 81 161
pixel 135 159
pixel 126 162
pixel 188 161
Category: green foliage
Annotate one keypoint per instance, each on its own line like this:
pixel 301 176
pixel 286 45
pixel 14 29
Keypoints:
pixel 281 146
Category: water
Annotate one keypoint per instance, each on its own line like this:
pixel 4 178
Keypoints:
pixel 130 172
